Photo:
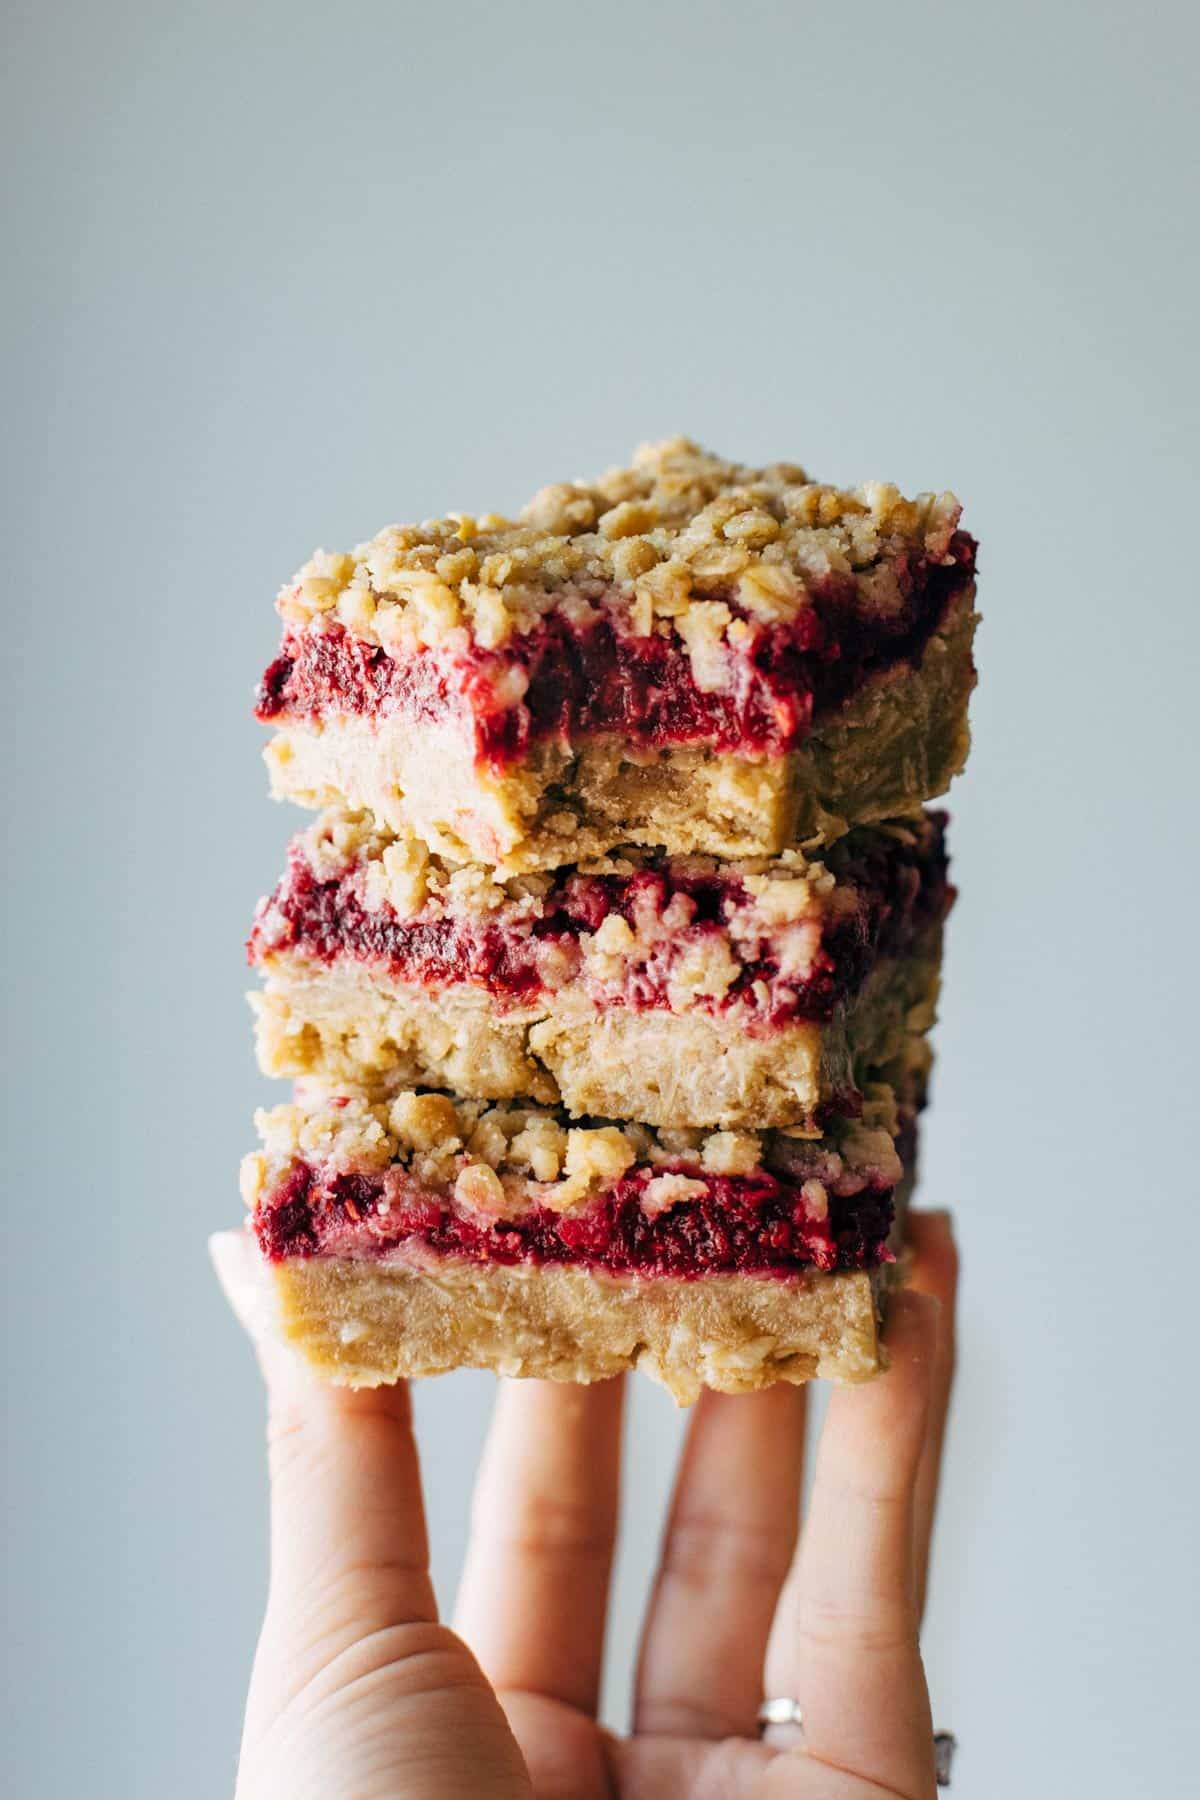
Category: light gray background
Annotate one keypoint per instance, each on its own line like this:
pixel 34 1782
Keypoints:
pixel 280 273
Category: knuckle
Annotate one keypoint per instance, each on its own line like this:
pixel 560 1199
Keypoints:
pixel 882 1629
pixel 557 1527
pixel 702 1547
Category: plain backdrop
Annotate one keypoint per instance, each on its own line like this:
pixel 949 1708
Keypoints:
pixel 275 275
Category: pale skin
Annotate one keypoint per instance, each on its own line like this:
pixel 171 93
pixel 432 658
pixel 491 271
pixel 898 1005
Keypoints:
pixel 360 1692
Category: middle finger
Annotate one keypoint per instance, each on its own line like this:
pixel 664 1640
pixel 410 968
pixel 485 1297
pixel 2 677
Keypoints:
pixel 534 1591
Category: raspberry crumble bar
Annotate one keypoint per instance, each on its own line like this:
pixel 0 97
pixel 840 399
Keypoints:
pixel 407 1236
pixel 678 991
pixel 606 973
pixel 688 653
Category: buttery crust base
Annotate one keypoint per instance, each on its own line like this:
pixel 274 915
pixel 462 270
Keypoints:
pixel 364 1324
pixel 349 1022
pixel 896 742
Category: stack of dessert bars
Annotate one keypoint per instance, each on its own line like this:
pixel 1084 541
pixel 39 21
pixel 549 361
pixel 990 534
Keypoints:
pixel 604 974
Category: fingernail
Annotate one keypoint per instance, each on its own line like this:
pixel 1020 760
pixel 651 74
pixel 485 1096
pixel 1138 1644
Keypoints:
pixel 235 1260
pixel 911 1303
pixel 935 1219
pixel 910 1314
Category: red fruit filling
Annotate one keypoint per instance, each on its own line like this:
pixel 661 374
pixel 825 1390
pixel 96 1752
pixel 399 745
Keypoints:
pixel 760 1223
pixel 583 681
pixel 902 887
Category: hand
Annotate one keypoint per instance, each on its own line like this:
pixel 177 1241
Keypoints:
pixel 359 1693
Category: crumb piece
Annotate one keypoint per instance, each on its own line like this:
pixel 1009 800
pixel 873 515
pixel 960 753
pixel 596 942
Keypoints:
pixel 663 1192
pixel 481 1190
pixel 424 1121
pixel 731 1152
pixel 816 1199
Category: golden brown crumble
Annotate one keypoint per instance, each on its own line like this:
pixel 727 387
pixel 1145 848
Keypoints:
pixel 786 904
pixel 670 539
pixel 662 1192
pixel 491 1156
pixel 403 872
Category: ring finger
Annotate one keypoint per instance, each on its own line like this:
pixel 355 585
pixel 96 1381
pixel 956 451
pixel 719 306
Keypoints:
pixel 727 1546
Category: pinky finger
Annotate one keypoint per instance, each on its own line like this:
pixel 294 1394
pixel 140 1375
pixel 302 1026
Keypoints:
pixel 935 1271
pixel 844 1643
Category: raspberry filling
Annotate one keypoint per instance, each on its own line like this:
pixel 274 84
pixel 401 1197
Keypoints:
pixel 901 887
pixel 760 1223
pixel 565 681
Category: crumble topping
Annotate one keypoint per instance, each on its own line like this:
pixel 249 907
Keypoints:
pixel 777 938
pixel 498 1160
pixel 403 873
pixel 731 1152
pixel 681 543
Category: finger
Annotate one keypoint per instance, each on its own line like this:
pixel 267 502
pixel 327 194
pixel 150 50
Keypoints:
pixel 844 1643
pixel 347 1521
pixel 355 1686
pixel 728 1542
pixel 534 1594
pixel 935 1271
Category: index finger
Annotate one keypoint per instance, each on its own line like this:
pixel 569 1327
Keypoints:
pixel 347 1517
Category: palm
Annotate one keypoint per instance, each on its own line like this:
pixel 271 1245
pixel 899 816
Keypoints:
pixel 557 1739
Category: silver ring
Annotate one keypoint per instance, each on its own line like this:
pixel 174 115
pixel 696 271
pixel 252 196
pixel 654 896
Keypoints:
pixel 786 1711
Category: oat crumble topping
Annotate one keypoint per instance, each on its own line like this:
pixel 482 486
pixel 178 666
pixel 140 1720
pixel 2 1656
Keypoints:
pixel 403 873
pixel 499 1159
pixel 693 931
pixel 681 542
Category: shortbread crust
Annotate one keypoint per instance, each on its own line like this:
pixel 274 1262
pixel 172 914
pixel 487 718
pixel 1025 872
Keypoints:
pixel 351 1023
pixel 363 1324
